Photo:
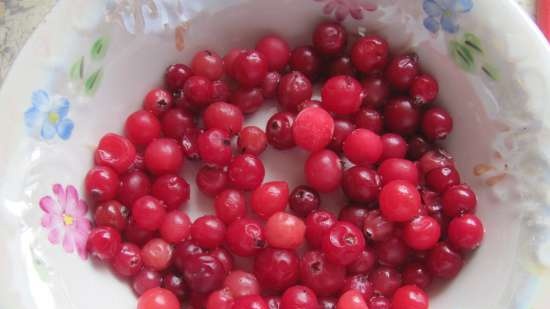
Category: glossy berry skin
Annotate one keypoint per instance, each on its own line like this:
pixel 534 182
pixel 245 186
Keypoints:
pixel 224 257
pixel 364 263
pixel 329 38
pixel 137 235
pixel 320 275
pixel 214 147
pixel 116 152
pixel 341 66
pixel 299 297
pixel 401 117
pixel 370 119
pixel 230 205
pixel 252 140
pixel 145 280
pixel 342 128
pixel 436 123
pixel 440 179
pixel 362 146
pixel 104 243
pixel 303 200
pixel 361 284
pixel 172 190
pixel 112 214
pixel 142 127
pixel 245 237
pixel 148 213
pixel 277 269
pixel 241 283
pixel 175 284
pixel 175 227
pixel 158 298
pixel 189 144
pixel 221 299
pixel 275 50
pixel 313 129
pixel 392 252
pixel 398 169
pixel 376 91
pixel 417 274
pixel 379 302
pixel 422 233
pixel 393 146
pixel 410 297
pixel 211 180
pixel 183 251
pixel 279 130
pixel 127 262
pixel 385 280
pixel 341 95
pixel 208 231
pixel 306 60
pixel 230 58
pixel 270 84
pixel 457 200
pixel 101 184
pixel 157 254
pixel 317 224
pixel 158 101
pixel 176 75
pixel 376 227
pixel 399 201
pixel 424 89
pixel 198 91
pixel 465 232
pixel 250 68
pixel 294 88
pixel 352 299
pixel 207 63
pixel 250 302
pixel 402 70
pixel 223 116
pixel 443 261
pixel 343 243
pixel 327 303
pixel 418 146
pixel 269 198
pixel 246 172
pixel 176 122
pixel 361 184
pixel 203 273
pixel 323 171
pixel 220 91
pixel 370 53
pixel 435 159
pixel 308 103
pixel 284 231
pixel 354 214
pixel 163 156
pixel 248 100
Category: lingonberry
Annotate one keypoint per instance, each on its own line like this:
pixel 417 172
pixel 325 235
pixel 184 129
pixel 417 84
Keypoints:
pixel 101 184
pixel 313 129
pixel 269 198
pixel 323 171
pixel 275 50
pixel 176 75
pixel 393 146
pixel 343 243
pixel 148 213
pixel 362 146
pixel 172 190
pixel 424 89
pixel 398 169
pixel 351 299
pixel 376 227
pixel 127 262
pixel 221 299
pixel 370 119
pixel 303 200
pixel 142 127
pixel 279 130
pixel 207 63
pixel 245 237
pixel 175 227
pixel 435 159
pixel 361 184
pixel 409 297
pixel 116 152
pixel 214 147
pixel 284 231
pixel 250 68
pixel 252 140
pixel 250 302
pixel 321 275
pixel 198 91
pixel 392 252
pixel 136 235
pixel 112 214
pixel 458 200
pixel 354 214
pixel 241 283
pixel 294 88
pixel 465 232
pixel 370 54
pixel 342 128
pixel 175 284
pixel 341 95
pixel 299 296
pixel 329 38
pixel 443 261
pixel 203 273
pixel 422 233
pixel 221 91
pixel 208 231
pixel 402 70
pixel 248 100
pixel 364 263
pixel 439 179
pixel 223 116
pixel 157 254
pixel 401 117
pixel 436 123
pixel 230 205
pixel 246 172
pixel 104 242
pixel 158 101
pixel 317 224
pixel 224 257
pixel 270 84
pixel 341 66
pixel 145 280
pixel 385 280
pixel 376 91
pixel 418 146
pixel 158 298
pixel 417 274
pixel 361 284
pixel 183 251
pixel 176 122
pixel 399 201
pixel 230 58
pixel 277 269
pixel 211 180
pixel 163 156
pixel 306 60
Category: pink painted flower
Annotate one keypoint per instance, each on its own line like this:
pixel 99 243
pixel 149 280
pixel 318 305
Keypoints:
pixel 65 219
pixel 342 8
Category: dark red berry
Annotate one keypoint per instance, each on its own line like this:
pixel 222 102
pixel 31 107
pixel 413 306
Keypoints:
pixel 276 51
pixel 245 237
pixel 317 224
pixel 424 89
pixel 176 122
pixel 444 262
pixel 458 200
pixel 402 70
pixel 176 75
pixel 294 88
pixel 148 213
pixel 303 200
pixel 101 184
pixel 393 146
pixel 361 184
pixel 369 118
pixel 252 140
pixel 436 123
pixel 376 227
pixel 329 38
pixel 158 101
pixel 127 262
pixel 198 91
pixel 343 243
pixel 246 172
pixel 248 100
pixel 320 275
pixel 306 60
pixel 401 117
pixel 376 91
pixel 370 54
pixel 341 95
pixel 276 269
pixel 270 84
pixel 104 243
pixel 223 116
pixel 112 214
pixel 279 130
pixel 342 128
pixel 203 273
pixel 385 280
pixel 250 68
pixel 465 232
pixel 214 147
pixel 172 190
pixel 211 180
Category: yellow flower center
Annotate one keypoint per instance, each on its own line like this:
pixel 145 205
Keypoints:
pixel 68 219
pixel 53 117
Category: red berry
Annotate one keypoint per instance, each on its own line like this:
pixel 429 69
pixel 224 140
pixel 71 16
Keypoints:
pixel 246 172
pixel 269 198
pixel 299 297
pixel 424 89
pixel 444 262
pixel 137 235
pixel 189 144
pixel 370 119
pixel 342 128
pixel 323 171
pixel 329 38
pixel 248 100
pixel 376 227
pixel 203 273
pixel 276 269
pixel 465 232
pixel 320 275
pixel 352 299
pixel 175 284
pixel 327 303
pixel 284 231
pixel 343 243
pixel 158 298
pixel 250 68
pixel 221 299
pixel 214 147
pixel 145 280
pixel 376 91
pixel 273 302
pixel 230 58
pixel 270 84
pixel 101 184
pixel 399 201
pixel 317 224
pixel 183 251
pixel 364 263
pixel 313 129
pixel 402 70
pixel 172 190
pixel 294 88
pixel 207 63
pixel 379 302
pixel 398 169
pixel 224 116
pixel 198 91
pixel 276 51
pixel 211 180
pixel 392 252
pixel 354 214
pixel 279 130
pixel 115 151
pixel 245 237
pixel 304 59
pixel 303 200
pixel 224 257
pixel 142 127
pixel 148 213
pixel 127 262
pixel 362 146
pixel 401 117
pixel 176 75
pixel 422 233
pixel 157 254
pixel 163 156
pixel 393 146
pixel 104 243
pixel 418 146
pixel 385 280
pixel 175 227
pixel 341 66
pixel 361 184
pixel 341 95
pixel 417 274
pixel 370 54
pixel 176 122
pixel 158 101
pixel 410 297
pixel 241 284
pixel 458 200
pixel 112 214
pixel 252 140
pixel 208 231
pixel 435 159
pixel 250 302
pixel 220 91
pixel 440 179
pixel 436 123
pixel 230 205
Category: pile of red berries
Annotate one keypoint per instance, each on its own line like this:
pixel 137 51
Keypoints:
pixel 409 218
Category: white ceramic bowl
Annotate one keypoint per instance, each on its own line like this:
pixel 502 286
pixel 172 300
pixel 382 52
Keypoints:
pixel 90 62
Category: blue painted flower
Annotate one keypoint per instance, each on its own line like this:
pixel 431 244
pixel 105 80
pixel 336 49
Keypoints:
pixel 47 116
pixel 444 13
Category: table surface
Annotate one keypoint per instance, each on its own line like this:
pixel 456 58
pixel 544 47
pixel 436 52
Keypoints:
pixel 18 18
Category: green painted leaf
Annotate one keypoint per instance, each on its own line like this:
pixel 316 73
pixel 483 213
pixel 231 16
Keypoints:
pixel 491 71
pixel 462 56
pixel 77 69
pixel 92 82
pixel 99 48
pixel 473 43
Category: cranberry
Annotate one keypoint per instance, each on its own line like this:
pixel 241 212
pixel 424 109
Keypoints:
pixel 385 280
pixel 279 130
pixel 127 262
pixel 252 140
pixel 303 200
pixel 104 242
pixel 370 54
pixel 393 146
pixel 361 184
pixel 410 297
pixel 248 100
pixel 221 299
pixel 198 91
pixel 436 123
pixel 417 274
pixel 329 38
pixel 444 262
pixel 157 254
pixel 465 232
pixel 276 51
pixel 320 275
pixel 245 237
pixel 137 235
pixel 246 172
pixel 392 252
pixel 208 231
pixel 370 119
pixel 364 263
pixel 223 116
pixel 379 302
pixel 101 184
pixel 276 269
pixel 270 84
pixel 343 243
pixel 284 231
pixel 148 213
pixel 230 58
pixel 189 144
pixel 145 280
pixel 402 71
pixel 341 66
pixel 361 284
pixel 341 95
pixel 214 147
pixel 440 179
pixel 294 88
pixel 313 129
pixel 163 156
pixel 207 63
pixel 269 198
pixel 158 101
pixel 323 171
pixel 401 117
pixel 183 251
pixel 376 227
pixel 435 159
pixel 304 59
pixel 224 257
pixel 175 227
pixel 158 298
pixel 250 302
pixel 399 201
pixel 142 127
pixel 175 283
pixel 342 128
pixel 250 68
pixel 112 214
pixel 376 91
pixel 353 214
pixel 362 146
pixel 220 91
pixel 203 273
pixel 176 75
pixel 241 283
pixel 211 180
pixel 299 297
pixel 458 200
pixel 317 224
pixel 230 205
pixel 172 190
pixel 418 146
pixel 176 122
